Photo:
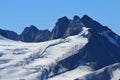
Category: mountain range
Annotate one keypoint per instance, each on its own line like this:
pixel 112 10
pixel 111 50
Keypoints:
pixel 64 27
pixel 77 49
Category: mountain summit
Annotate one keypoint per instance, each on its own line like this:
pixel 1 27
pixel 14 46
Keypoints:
pixel 32 34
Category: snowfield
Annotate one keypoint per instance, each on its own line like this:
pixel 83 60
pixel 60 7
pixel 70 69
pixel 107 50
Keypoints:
pixel 111 72
pixel 27 61
pixel 73 74
pixel 116 75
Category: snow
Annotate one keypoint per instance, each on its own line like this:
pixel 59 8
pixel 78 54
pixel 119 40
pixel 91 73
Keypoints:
pixel 20 60
pixel 112 71
pixel 73 74
pixel 116 75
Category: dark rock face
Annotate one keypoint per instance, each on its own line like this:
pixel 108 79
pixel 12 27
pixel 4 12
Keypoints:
pixel 29 34
pixel 69 63
pixel 32 34
pixel 43 35
pixel 100 51
pixel 74 27
pixel 3 33
pixel 60 28
pixel 65 27
pixel 12 35
pixel 89 22
pixel 9 34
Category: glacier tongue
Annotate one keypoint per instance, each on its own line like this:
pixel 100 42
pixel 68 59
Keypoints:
pixel 29 61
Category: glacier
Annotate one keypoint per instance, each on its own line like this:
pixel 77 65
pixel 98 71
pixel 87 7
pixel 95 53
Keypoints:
pixel 28 61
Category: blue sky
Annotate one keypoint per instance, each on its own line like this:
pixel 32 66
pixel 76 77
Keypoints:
pixel 17 14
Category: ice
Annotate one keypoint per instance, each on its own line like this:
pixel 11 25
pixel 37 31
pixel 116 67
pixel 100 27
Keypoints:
pixel 20 60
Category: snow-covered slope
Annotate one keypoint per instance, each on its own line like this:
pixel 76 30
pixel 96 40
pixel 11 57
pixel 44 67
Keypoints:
pixel 111 72
pixel 73 74
pixel 29 61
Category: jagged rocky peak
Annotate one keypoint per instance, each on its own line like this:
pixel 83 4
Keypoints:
pixel 60 28
pixel 28 34
pixel 32 27
pixel 66 27
pixel 76 18
pixel 33 34
pixel 75 26
pixel 86 17
pixel 64 18
pixel 90 23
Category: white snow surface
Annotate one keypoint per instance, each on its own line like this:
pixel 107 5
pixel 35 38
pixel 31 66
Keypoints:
pixel 113 71
pixel 26 61
pixel 116 75
pixel 73 74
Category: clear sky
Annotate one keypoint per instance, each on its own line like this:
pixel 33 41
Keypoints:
pixel 17 14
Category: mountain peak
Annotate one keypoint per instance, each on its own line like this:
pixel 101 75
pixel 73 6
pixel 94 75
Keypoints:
pixel 76 17
pixel 60 27
pixel 33 27
pixel 86 17
pixel 64 18
pixel 89 22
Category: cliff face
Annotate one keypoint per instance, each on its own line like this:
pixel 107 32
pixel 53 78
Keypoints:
pixel 32 34
pixel 60 28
